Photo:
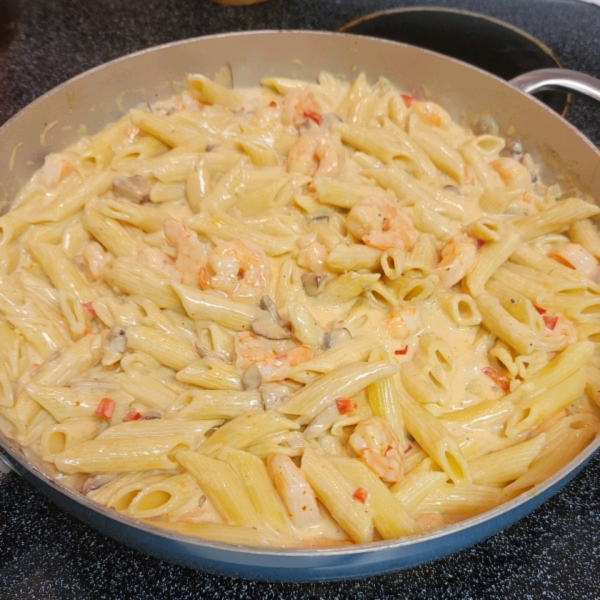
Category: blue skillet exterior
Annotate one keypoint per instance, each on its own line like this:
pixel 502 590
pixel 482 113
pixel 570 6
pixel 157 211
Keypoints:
pixel 293 565
pixel 450 82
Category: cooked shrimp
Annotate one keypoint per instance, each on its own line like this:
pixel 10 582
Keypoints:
pixel 379 447
pixel 239 269
pixel 576 257
pixel 381 224
pixel 458 258
pixel 95 260
pixel 297 495
pixel 298 106
pixel 514 175
pixel 431 113
pixel 191 252
pixel 315 155
pixel 403 322
pixel 559 333
pixel 273 358
pixel 313 257
pixel 57 167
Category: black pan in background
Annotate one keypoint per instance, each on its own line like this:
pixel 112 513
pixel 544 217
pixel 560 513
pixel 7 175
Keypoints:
pixel 485 42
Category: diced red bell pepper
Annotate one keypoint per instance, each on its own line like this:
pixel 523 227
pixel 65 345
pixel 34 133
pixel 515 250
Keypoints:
pixel 314 116
pixel 550 321
pixel 106 408
pixel 89 309
pixel 401 351
pixel 345 405
pixel 132 415
pixel 408 99
pixel 360 495
pixel 497 377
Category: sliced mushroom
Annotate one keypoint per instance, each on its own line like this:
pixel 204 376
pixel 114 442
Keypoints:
pixel 273 393
pixel 151 414
pixel 514 149
pixel 251 379
pixel 330 119
pixel 313 283
pixel 136 188
pixel 307 126
pixel 95 483
pixel 452 189
pixel 206 353
pixel 267 303
pixel 267 328
pixel 336 337
pixel 486 125
pixel 115 347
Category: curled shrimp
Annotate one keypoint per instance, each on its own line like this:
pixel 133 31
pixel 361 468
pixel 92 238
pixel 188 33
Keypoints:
pixel 379 448
pixel 57 167
pixel 95 260
pixel 191 252
pixel 381 224
pixel 458 258
pixel 576 257
pixel 313 257
pixel 403 322
pixel 430 112
pixel 315 155
pixel 298 106
pixel 514 175
pixel 273 358
pixel 239 269
pixel 297 495
pixel 559 332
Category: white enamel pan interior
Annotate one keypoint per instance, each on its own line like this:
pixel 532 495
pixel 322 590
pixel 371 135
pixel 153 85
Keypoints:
pixel 101 95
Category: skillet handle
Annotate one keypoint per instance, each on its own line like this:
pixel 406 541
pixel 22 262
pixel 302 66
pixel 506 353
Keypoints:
pixel 548 79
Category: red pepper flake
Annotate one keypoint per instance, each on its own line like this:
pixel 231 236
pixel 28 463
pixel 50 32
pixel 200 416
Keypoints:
pixel 497 377
pixel 401 351
pixel 360 495
pixel 541 311
pixel 345 405
pixel 314 116
pixel 408 99
pixel 387 450
pixel 408 448
pixel 106 408
pixel 89 309
pixel 273 104
pixel 550 321
pixel 132 415
pixel 86 331
pixel 478 243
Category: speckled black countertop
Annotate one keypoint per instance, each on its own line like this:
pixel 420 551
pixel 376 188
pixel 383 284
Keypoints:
pixel 47 554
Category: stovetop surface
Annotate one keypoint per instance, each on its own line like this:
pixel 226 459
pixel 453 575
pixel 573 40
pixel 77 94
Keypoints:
pixel 47 554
